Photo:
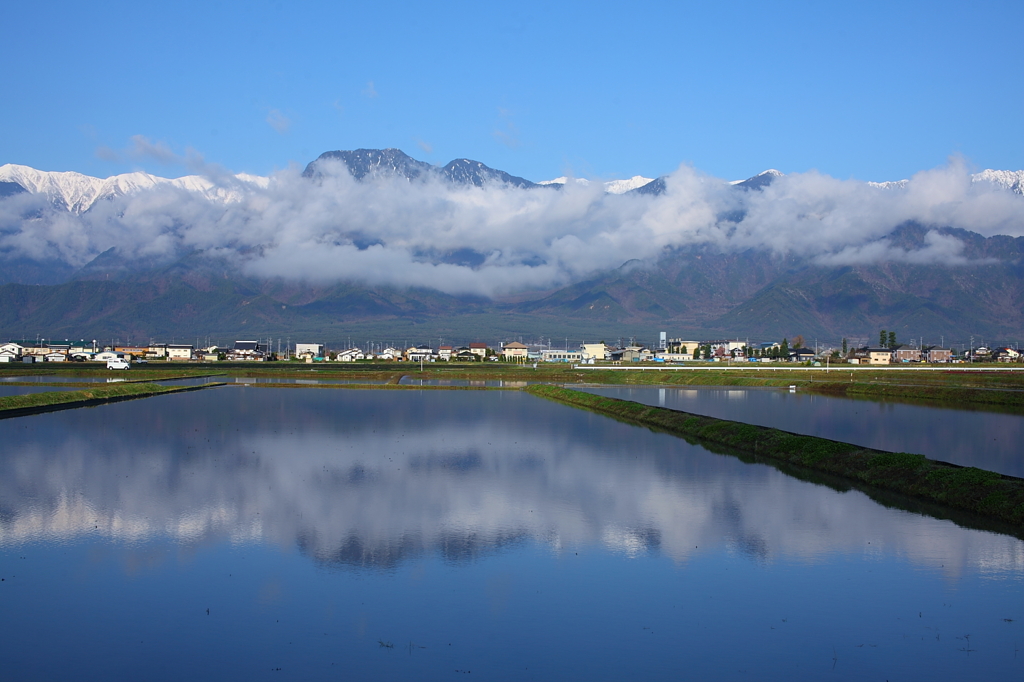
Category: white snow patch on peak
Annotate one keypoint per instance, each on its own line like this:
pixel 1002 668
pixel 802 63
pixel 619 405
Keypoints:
pixel 611 186
pixel 623 186
pixel 1011 180
pixel 77 193
pixel 1007 180
pixel 889 184
pixel 770 171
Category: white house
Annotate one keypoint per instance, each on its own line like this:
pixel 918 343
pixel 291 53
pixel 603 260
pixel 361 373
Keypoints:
pixel 313 350
pixel 420 353
pixel 594 351
pixel 13 348
pixel 514 352
pixel 350 355
pixel 179 351
pixel 389 353
pixel 554 355
pixel 246 350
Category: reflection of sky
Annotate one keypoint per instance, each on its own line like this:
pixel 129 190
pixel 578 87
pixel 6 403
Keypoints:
pixel 373 477
pixel 973 438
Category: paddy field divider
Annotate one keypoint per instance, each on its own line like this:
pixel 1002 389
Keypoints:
pixel 983 493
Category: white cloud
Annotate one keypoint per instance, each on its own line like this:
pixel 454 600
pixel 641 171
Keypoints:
pixel 395 232
pixel 278 121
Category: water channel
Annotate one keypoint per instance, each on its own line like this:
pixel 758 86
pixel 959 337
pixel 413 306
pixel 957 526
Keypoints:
pixel 258 533
pixel 989 440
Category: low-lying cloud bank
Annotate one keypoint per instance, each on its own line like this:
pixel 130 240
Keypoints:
pixel 496 239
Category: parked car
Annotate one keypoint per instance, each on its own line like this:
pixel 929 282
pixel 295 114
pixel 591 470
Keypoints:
pixel 118 364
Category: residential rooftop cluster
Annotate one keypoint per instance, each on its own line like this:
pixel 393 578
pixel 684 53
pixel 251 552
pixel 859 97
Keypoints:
pixel 665 351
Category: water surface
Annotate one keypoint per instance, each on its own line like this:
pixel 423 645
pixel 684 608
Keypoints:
pixel 988 440
pixel 481 535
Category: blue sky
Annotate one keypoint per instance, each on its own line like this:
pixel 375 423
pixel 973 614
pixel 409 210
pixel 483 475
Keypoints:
pixel 874 91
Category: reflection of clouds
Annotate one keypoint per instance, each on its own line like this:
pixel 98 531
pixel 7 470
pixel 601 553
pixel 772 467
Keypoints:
pixel 367 478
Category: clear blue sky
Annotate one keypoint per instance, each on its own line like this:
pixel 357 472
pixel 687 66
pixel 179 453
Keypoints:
pixel 874 91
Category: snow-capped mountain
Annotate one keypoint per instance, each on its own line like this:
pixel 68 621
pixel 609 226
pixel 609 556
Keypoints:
pixel 384 163
pixel 1011 180
pixel 469 172
pixel 759 181
pixel 611 186
pixel 77 193
pixel 889 184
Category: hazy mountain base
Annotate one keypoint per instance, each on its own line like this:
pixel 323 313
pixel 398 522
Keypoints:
pixel 694 292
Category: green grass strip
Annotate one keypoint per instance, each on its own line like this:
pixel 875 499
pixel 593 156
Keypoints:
pixel 35 403
pixel 380 387
pixel 952 395
pixel 984 493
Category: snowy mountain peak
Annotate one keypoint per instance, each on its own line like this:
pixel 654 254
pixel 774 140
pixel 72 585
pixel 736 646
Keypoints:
pixel 623 186
pixel 1007 180
pixel 889 184
pixel 611 186
pixel 78 193
pixel 1011 180
pixel 761 179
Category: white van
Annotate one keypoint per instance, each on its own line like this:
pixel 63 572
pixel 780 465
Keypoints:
pixel 119 363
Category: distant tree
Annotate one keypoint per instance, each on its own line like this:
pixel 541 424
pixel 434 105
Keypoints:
pixel 835 355
pixel 892 339
pixel 882 339
pixel 798 341
pixel 784 350
pixel 683 350
pixel 844 348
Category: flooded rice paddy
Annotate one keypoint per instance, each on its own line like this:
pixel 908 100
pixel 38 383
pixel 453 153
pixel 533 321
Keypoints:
pixel 988 440
pixel 260 533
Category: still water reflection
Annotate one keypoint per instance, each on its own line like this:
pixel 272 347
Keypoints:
pixel 987 440
pixel 487 532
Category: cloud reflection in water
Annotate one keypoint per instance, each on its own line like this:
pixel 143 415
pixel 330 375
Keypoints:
pixel 369 478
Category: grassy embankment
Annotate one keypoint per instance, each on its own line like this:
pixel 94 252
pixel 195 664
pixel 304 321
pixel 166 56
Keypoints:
pixel 984 493
pixel 957 388
pixel 1002 391
pixel 35 403
pixel 391 386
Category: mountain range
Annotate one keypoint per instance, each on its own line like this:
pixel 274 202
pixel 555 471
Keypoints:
pixel 692 289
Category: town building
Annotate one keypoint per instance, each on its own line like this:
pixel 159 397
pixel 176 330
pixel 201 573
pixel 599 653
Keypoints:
pixel 514 352
pixel 179 351
pixel 244 351
pixel 557 355
pixel 906 354
pixel 420 354
pixel 879 356
pixel 594 351
pixel 350 355
pixel 313 350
